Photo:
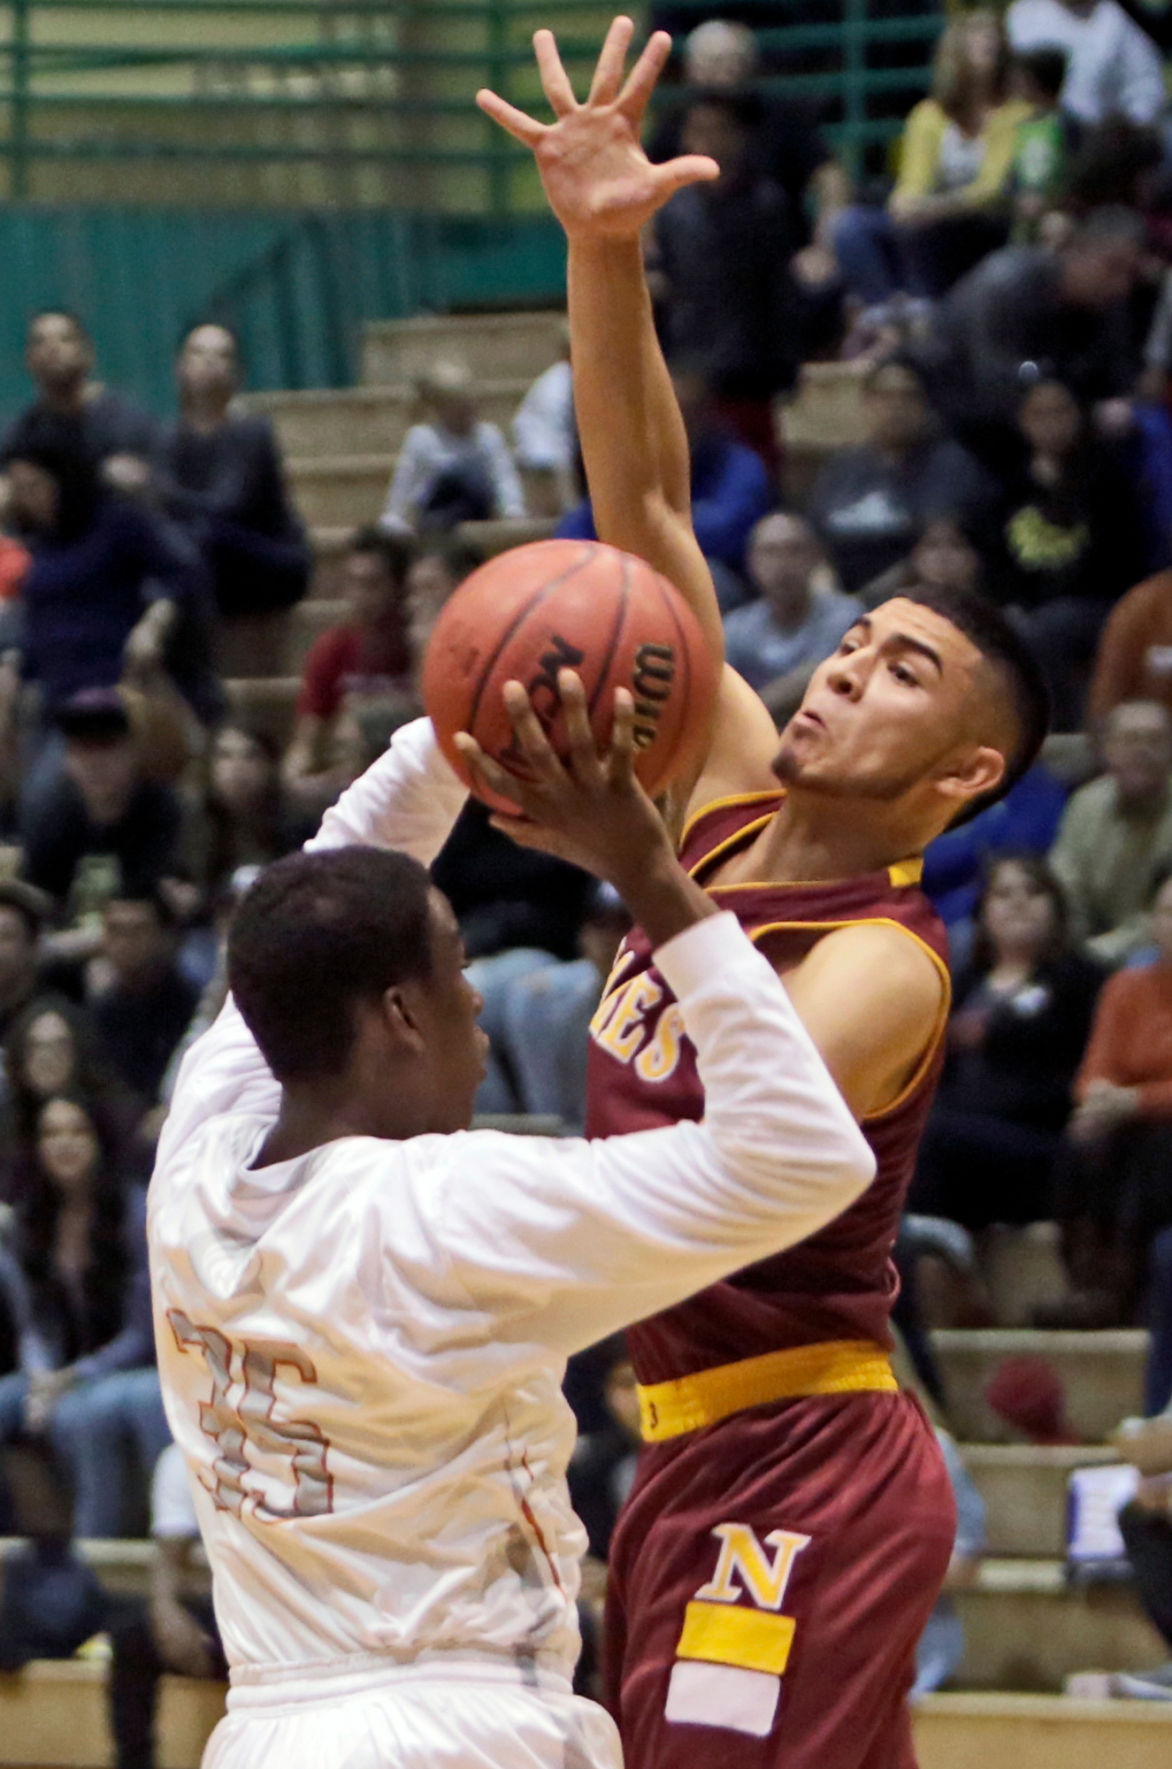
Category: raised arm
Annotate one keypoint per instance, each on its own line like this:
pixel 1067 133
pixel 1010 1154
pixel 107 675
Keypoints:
pixel 604 191
pixel 408 799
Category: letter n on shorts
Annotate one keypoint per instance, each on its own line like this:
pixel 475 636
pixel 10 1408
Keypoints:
pixel 732 1653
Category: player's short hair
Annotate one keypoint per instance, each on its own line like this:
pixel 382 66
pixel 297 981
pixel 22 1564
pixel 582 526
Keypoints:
pixel 1002 646
pixel 317 935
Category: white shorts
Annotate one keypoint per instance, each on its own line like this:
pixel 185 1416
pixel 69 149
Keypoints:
pixel 400 1717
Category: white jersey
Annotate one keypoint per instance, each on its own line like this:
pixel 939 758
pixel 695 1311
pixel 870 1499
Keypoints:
pixel 362 1349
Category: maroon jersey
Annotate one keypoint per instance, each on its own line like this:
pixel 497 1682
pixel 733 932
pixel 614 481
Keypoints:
pixel 840 1283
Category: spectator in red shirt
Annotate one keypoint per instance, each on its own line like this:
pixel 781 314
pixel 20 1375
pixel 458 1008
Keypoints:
pixel 367 657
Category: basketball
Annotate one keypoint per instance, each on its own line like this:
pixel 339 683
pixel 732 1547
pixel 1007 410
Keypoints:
pixel 578 605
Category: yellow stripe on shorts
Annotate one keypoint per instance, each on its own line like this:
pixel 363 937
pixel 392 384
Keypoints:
pixel 749 1638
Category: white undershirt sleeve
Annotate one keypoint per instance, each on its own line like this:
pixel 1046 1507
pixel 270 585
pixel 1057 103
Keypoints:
pixel 408 799
pixel 565 1241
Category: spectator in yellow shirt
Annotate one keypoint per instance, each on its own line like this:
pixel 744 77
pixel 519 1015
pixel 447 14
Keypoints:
pixel 949 206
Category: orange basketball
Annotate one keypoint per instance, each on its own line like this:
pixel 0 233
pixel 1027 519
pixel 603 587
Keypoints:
pixel 577 605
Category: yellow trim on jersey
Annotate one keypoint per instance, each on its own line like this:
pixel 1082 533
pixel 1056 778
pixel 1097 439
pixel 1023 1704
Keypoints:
pixel 728 804
pixel 688 1403
pixel 941 1022
pixel 751 1639
pixel 900 875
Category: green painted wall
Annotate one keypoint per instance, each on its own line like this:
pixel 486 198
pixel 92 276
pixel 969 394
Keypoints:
pixel 298 287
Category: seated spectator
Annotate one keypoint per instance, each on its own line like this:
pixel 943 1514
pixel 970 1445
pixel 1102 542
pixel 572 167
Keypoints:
pixel 1071 532
pixel 246 821
pixel 367 657
pixel 1146 1526
pixel 439 566
pixel 869 504
pixel 104 830
pixel 1028 313
pixel 24 912
pixel 544 1019
pixel 721 256
pixel 118 434
pixel 1021 1015
pixel 947 556
pixel 173 1631
pixel 731 490
pixel 86 1383
pixel 1116 1192
pixel 144 1008
pixel 1043 143
pixel 957 863
pixel 52 1049
pixel 950 204
pixel 778 641
pixel 787 143
pixel 1115 839
pixel 545 436
pixel 454 467
pixel 1113 67
pixel 108 581
pixel 220 475
pixel 1134 659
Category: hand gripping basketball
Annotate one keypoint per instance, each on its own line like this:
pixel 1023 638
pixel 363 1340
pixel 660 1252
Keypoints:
pixel 598 180
pixel 589 809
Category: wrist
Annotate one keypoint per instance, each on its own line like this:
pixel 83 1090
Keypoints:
pixel 661 897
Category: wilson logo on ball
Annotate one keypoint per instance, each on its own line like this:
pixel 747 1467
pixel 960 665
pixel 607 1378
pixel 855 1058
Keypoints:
pixel 654 673
pixel 542 688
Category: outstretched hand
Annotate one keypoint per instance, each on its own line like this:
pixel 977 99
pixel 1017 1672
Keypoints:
pixel 589 809
pixel 599 182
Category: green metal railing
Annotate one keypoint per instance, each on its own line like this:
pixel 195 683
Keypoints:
pixel 367 102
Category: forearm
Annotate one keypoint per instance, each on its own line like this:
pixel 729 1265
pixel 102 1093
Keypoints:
pixel 663 900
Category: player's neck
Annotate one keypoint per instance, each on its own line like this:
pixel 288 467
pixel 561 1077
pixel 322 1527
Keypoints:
pixel 313 1115
pixel 815 837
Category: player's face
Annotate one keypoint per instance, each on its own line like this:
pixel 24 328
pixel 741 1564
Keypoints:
pixel 889 714
pixel 457 1048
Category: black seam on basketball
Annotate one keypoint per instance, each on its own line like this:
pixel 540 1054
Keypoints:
pixel 534 601
pixel 613 642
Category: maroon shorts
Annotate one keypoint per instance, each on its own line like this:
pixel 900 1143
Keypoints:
pixel 770 1578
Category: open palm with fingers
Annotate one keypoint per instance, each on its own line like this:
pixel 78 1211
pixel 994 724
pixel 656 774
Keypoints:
pixel 599 182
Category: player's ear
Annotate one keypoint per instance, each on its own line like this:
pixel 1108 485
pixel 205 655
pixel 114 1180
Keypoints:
pixel 972 774
pixel 401 1016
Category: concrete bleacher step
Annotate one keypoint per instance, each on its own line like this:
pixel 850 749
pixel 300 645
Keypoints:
pixel 1102 1374
pixel 493 346
pixel 1023 1270
pixel 1027 1629
pixel 368 420
pixel 276 644
pixel 1024 1487
pixel 53 1716
pixel 340 490
pixel 123 1566
pixel 971 1731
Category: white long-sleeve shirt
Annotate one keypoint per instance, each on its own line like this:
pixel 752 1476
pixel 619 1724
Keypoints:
pixel 1114 68
pixel 429 451
pixel 362 1349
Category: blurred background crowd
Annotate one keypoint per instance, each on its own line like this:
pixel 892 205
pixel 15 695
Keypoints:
pixel 1003 302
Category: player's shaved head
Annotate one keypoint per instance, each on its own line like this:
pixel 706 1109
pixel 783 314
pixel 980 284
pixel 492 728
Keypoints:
pixel 317 935
pixel 1010 708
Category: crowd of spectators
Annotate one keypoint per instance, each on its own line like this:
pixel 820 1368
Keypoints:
pixel 1003 315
